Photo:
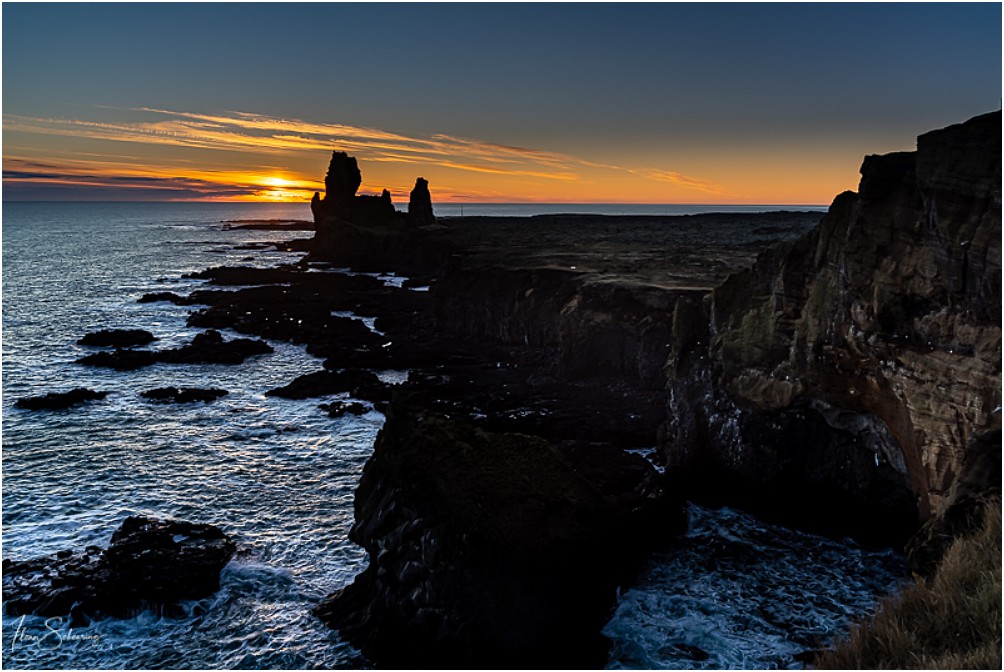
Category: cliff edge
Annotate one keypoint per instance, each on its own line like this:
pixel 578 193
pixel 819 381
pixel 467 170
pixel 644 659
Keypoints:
pixel 838 382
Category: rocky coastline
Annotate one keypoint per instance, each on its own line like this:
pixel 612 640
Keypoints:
pixel 838 382
pixel 573 380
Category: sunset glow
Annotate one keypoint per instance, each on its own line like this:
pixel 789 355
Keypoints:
pixel 769 110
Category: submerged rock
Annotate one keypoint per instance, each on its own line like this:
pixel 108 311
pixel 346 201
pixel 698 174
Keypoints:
pixel 59 400
pixel 150 564
pixel 184 395
pixel 118 338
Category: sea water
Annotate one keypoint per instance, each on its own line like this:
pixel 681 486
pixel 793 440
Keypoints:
pixel 278 475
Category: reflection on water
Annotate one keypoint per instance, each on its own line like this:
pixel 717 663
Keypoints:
pixel 278 475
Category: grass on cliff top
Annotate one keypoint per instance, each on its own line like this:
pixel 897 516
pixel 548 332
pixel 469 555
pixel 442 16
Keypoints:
pixel 952 621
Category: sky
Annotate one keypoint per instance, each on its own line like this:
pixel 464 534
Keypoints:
pixel 583 103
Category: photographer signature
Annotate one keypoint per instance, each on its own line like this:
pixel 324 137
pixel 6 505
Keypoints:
pixel 53 637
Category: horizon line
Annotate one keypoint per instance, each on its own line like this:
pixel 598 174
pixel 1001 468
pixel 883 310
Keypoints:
pixel 459 203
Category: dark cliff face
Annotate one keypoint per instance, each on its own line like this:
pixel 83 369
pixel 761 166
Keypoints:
pixel 841 377
pixel 492 549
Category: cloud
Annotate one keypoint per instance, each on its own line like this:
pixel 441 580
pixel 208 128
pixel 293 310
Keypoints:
pixel 256 134
pixel 124 181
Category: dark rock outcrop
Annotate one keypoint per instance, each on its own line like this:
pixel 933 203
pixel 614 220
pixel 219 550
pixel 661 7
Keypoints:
pixel 365 231
pixel 420 204
pixel 120 359
pixel 59 400
pixel 208 347
pixel 149 564
pixel 171 297
pixel 117 338
pixel 846 371
pixel 496 550
pixel 360 383
pixel 183 395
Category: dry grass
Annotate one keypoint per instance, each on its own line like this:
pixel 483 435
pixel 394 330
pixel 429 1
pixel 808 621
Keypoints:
pixel 952 621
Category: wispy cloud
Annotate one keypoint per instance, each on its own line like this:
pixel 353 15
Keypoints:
pixel 123 179
pixel 266 136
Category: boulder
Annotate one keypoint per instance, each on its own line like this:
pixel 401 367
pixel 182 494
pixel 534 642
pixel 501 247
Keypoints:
pixel 170 297
pixel 150 564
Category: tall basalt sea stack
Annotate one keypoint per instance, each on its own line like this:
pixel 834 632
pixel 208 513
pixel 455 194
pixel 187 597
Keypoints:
pixel 420 204
pixel 367 231
pixel 839 381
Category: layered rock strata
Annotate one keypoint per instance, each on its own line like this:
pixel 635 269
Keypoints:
pixel 840 379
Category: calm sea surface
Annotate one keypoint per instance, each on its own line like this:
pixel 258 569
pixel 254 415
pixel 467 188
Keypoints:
pixel 278 475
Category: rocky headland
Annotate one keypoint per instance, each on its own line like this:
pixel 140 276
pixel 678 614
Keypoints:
pixel 840 380
pixel 573 380
pixel 837 376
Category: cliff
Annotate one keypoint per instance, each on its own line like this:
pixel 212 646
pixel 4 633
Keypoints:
pixel 838 381
pixel 493 549
pixel 840 375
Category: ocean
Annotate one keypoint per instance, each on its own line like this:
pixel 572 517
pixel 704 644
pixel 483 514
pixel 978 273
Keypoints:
pixel 278 475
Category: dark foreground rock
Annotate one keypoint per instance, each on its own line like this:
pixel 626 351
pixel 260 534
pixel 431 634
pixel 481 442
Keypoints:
pixel 183 395
pixel 208 347
pixel 117 338
pixel 59 400
pixel 149 564
pixel 493 550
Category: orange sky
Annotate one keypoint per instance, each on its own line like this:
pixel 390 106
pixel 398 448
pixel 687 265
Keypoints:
pixel 244 156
